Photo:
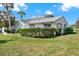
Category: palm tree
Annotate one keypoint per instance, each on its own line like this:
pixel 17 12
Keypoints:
pixel 21 13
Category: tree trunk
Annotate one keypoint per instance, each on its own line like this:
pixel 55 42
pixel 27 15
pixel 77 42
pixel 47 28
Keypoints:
pixel 9 27
pixel 21 17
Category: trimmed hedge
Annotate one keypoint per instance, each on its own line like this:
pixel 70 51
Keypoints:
pixel 68 30
pixel 58 32
pixel 38 32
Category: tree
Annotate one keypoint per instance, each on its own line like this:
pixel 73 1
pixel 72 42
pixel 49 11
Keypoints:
pixel 12 21
pixel 2 19
pixel 21 13
pixel 7 8
pixel 4 22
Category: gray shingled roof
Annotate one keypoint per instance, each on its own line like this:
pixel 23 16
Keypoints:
pixel 44 19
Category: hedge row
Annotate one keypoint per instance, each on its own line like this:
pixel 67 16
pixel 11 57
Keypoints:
pixel 39 32
pixel 43 32
pixel 69 30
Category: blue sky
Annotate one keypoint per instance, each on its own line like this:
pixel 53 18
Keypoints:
pixel 39 9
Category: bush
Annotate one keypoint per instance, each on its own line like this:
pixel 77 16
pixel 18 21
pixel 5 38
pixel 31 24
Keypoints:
pixel 58 32
pixel 8 31
pixel 68 30
pixel 37 32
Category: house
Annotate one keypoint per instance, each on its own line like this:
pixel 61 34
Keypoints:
pixel 77 24
pixel 47 21
pixel 2 31
pixel 20 24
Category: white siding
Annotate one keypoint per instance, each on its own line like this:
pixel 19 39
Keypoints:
pixel 38 25
pixel 53 25
pixel 18 25
pixel 26 25
pixel 61 21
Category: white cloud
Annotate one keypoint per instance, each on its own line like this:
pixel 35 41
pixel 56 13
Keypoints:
pixel 16 6
pixel 33 16
pixel 25 7
pixel 20 4
pixel 69 4
pixel 0 5
pixel 48 12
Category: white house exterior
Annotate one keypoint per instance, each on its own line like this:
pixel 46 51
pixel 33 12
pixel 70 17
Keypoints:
pixel 43 22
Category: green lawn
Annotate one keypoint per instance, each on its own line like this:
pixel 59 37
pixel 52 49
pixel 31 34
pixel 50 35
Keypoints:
pixel 13 44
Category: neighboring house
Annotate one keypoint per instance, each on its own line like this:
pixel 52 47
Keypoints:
pixel 43 22
pixel 2 30
pixel 20 24
pixel 77 24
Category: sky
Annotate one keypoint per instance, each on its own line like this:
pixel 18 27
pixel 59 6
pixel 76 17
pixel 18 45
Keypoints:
pixel 69 10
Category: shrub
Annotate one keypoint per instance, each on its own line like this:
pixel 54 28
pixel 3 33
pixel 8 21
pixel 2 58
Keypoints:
pixel 37 32
pixel 8 31
pixel 58 32
pixel 68 30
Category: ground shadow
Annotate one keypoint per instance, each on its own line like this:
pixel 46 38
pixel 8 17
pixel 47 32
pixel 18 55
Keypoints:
pixel 4 41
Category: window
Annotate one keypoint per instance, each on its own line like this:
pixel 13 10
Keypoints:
pixel 32 26
pixel 47 25
pixel 59 26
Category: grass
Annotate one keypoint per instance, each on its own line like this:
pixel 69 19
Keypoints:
pixel 15 45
